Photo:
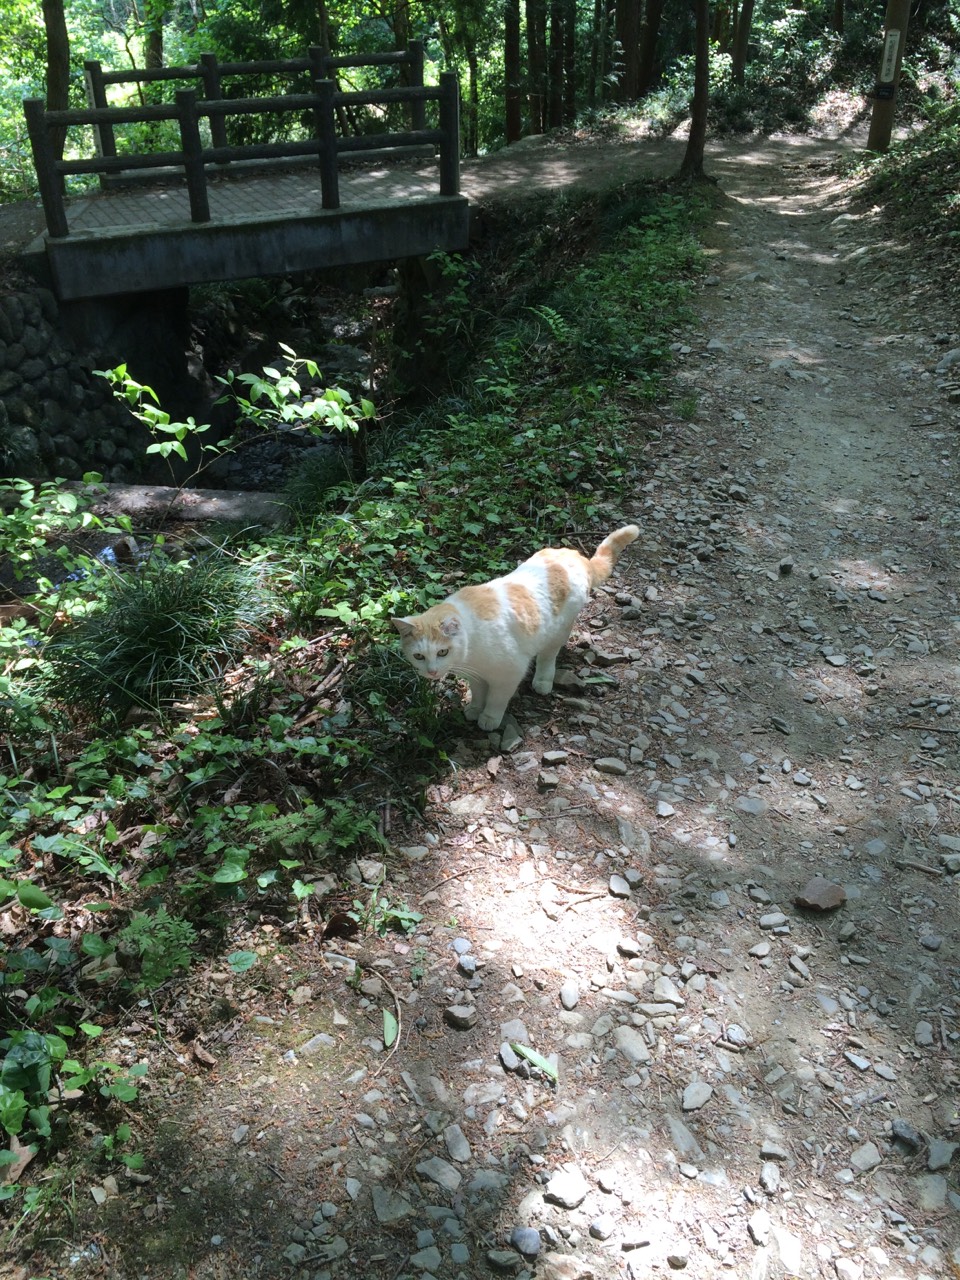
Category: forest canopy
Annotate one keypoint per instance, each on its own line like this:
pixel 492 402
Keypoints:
pixel 525 66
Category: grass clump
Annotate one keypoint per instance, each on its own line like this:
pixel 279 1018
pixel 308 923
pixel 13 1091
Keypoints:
pixel 156 635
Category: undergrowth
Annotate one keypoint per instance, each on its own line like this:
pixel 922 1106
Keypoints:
pixel 191 737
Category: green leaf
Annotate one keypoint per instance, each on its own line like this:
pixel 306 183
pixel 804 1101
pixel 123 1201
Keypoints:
pixel 229 873
pixel 241 961
pixel 390 1028
pixel 91 1029
pixel 33 898
pixel 536 1059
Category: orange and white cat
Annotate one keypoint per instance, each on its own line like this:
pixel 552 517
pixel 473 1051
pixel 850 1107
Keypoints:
pixel 490 633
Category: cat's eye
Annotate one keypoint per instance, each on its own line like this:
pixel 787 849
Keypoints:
pixel 442 653
pixel 418 657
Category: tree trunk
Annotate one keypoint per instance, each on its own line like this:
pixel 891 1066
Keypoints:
pixel 596 37
pixel 555 67
pixel 741 42
pixel 628 37
pixel 569 61
pixel 471 113
pixel 536 13
pixel 838 16
pixel 512 73
pixel 649 38
pixel 58 67
pixel 692 167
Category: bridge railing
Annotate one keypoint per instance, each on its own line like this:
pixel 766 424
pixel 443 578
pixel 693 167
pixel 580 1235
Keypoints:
pixel 210 77
pixel 193 157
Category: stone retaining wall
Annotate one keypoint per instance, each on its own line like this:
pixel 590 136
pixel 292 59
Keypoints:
pixel 57 419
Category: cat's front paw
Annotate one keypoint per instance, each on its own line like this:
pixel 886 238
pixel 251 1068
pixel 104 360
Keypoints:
pixel 540 685
pixel 472 711
pixel 489 722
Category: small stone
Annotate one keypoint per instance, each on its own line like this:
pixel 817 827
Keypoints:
pixel 619 887
pixel 630 1042
pixel 569 995
pixel 940 1154
pixel 857 1060
pixel 752 805
pixel 770 1177
pixel 389 1206
pixel 526 1240
pixel 759 1227
pixel 509 1059
pixel 611 765
pixel 931 941
pixel 772 920
pixel 504 1260
pixel 458 1148
pixel 923 1033
pixel 440 1172
pixel 821 894
pixel 696 1095
pixel 603 1227
pixel 567 1188
pixel 461 1016
pixel 907 1134
pixel 865 1157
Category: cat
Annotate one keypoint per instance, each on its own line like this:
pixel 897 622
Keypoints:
pixel 491 632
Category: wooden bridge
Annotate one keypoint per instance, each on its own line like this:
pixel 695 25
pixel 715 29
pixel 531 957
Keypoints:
pixel 210 209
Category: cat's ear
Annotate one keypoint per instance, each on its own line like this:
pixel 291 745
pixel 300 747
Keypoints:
pixel 404 626
pixel 450 627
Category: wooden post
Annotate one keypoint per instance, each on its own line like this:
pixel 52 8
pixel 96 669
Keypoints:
pixel 885 93
pixel 213 92
pixel 103 135
pixel 49 178
pixel 419 112
pixel 450 128
pixel 327 139
pixel 193 155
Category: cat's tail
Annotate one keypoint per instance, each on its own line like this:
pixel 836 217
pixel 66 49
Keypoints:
pixel 607 554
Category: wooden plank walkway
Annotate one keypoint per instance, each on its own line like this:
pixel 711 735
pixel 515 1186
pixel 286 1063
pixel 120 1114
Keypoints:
pixel 246 196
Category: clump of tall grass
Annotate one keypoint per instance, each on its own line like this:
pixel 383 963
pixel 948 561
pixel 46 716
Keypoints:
pixel 158 634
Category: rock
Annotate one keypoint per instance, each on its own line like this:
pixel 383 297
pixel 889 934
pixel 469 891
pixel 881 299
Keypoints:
pixel 569 995
pixel 458 1148
pixel 696 1095
pixel 629 1040
pixel 753 805
pixel 758 1226
pixel 389 1206
pixel 619 887
pixel 440 1172
pixel 770 1177
pixel 526 1240
pixel 503 1260
pixel 865 1157
pixel 461 1016
pixel 940 1154
pixel 821 894
pixel 567 1188
pixel 848 1269
pixel 603 1227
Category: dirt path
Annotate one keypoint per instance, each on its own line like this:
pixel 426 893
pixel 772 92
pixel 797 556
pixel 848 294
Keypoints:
pixel 768 692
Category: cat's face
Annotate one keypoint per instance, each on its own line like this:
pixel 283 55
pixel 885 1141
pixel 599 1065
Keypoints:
pixel 431 642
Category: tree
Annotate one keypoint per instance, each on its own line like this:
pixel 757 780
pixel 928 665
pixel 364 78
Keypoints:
pixel 58 66
pixel 649 36
pixel 741 42
pixel 512 72
pixel 628 38
pixel 536 15
pixel 691 168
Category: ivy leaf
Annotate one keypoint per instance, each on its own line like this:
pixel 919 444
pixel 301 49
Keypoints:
pixel 241 961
